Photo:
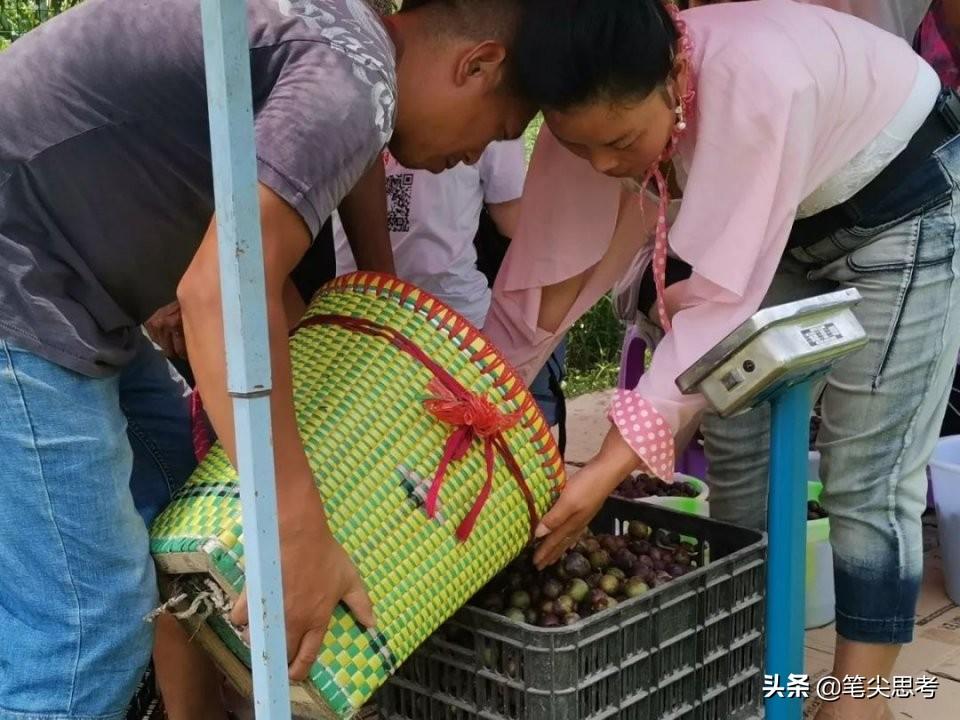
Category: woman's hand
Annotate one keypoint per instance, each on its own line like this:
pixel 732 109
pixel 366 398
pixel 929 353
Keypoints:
pixel 583 497
pixel 560 528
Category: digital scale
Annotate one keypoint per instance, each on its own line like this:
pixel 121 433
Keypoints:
pixel 777 356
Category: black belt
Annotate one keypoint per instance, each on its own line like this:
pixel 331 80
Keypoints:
pixel 941 125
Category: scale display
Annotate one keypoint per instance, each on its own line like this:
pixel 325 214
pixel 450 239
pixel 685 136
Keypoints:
pixel 777 347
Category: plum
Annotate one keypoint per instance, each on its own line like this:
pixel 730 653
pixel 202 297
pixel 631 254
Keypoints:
pixel 600 560
pixel 551 589
pixel 576 565
pixel 578 590
pixel 571 618
pixel 600 601
pixel 549 620
pixel 516 614
pixel 610 543
pixel 643 572
pixel 639 530
pixel 564 604
pixel 610 584
pixel 635 587
pixel 493 603
pixel 623 559
pixel 520 600
pixel 617 573
pixel 591 545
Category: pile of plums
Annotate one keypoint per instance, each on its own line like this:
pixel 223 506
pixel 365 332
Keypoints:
pixel 635 487
pixel 815 511
pixel 600 572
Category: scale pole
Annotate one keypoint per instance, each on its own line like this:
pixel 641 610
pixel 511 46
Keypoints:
pixel 787 529
pixel 229 97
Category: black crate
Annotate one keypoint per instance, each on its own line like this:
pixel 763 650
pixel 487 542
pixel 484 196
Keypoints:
pixel 146 704
pixel 689 650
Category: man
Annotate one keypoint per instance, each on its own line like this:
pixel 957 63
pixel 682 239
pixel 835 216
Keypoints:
pixel 105 216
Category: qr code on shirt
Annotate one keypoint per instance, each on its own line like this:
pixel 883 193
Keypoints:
pixel 399 191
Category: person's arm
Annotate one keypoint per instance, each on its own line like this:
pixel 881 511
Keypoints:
pixel 317 572
pixel 363 213
pixel 502 169
pixel 505 216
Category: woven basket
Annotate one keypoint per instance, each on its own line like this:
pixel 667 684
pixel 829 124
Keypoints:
pixel 376 447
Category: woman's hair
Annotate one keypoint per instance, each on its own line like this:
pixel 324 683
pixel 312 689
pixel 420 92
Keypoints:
pixel 572 52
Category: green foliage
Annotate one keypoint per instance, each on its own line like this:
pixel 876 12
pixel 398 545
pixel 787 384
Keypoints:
pixel 17 17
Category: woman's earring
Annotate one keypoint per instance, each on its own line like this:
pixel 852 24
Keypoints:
pixel 681 121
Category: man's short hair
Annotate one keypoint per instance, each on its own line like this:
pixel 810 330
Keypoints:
pixel 474 19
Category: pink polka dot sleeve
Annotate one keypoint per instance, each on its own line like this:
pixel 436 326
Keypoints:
pixel 645 431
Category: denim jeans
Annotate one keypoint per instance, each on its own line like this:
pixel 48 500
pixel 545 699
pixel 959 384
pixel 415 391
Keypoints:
pixel 881 407
pixel 541 388
pixel 84 465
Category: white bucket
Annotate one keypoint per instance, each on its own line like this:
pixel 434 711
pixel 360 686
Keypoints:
pixel 945 476
pixel 820 597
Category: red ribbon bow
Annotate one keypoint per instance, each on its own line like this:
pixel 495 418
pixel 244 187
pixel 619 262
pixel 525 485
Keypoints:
pixel 475 418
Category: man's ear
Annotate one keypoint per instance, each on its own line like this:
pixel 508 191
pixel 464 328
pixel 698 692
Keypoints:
pixel 481 63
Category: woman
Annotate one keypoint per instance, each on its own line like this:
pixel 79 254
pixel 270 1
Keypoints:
pixel 807 150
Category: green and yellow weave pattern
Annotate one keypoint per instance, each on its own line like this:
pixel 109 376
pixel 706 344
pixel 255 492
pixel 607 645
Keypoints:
pixel 374 450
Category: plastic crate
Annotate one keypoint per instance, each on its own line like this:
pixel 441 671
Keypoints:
pixel 689 650
pixel 146 704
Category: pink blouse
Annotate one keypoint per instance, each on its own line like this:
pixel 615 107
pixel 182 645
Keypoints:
pixel 787 94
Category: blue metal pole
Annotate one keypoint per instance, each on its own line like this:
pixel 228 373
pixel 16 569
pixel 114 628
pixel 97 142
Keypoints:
pixel 230 105
pixel 787 528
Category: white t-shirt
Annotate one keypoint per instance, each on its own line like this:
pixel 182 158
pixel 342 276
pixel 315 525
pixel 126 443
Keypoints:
pixel 433 220
pixel 901 17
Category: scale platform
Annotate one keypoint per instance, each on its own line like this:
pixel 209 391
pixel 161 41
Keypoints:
pixel 777 347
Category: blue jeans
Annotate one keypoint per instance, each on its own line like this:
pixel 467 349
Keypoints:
pixel 84 464
pixel 881 407
pixel 541 388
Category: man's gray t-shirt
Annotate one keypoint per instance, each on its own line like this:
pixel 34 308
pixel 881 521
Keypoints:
pixel 105 174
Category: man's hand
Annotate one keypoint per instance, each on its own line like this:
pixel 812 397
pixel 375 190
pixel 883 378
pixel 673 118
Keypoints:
pixel 165 328
pixel 318 575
